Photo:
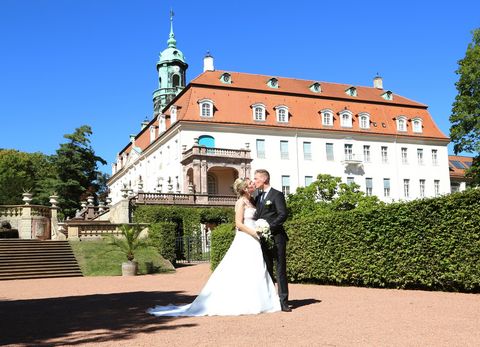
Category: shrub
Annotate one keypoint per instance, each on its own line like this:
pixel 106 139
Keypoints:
pixel 162 236
pixel 427 244
pixel 221 239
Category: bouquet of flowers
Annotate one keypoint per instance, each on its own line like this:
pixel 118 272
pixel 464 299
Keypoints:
pixel 263 230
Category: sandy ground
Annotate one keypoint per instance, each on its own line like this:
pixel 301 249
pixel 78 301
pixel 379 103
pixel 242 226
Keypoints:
pixel 110 311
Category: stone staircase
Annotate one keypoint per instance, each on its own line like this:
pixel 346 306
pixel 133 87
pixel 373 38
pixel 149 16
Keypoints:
pixel 22 259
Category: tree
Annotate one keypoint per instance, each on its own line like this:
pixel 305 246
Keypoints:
pixel 328 193
pixel 21 171
pixel 465 118
pixel 77 174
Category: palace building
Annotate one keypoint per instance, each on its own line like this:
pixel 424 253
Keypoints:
pixel 224 124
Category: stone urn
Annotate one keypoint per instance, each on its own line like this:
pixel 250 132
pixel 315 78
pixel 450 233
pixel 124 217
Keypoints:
pixel 129 268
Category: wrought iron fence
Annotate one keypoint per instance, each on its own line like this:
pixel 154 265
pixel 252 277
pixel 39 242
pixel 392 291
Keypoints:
pixel 192 249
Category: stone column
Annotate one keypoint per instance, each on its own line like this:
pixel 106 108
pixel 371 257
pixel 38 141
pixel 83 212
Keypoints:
pixel 54 234
pixel 203 178
pixel 25 225
pixel 196 176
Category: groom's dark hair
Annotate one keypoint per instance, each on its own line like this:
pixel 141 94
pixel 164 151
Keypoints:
pixel 265 173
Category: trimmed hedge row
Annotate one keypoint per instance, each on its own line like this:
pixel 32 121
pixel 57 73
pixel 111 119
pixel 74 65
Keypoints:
pixel 429 244
pixel 162 236
pixel 221 239
pixel 425 244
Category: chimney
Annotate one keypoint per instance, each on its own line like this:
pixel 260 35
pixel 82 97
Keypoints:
pixel 208 63
pixel 144 124
pixel 378 82
pixel 132 139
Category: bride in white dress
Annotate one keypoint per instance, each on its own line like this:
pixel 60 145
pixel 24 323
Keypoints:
pixel 240 284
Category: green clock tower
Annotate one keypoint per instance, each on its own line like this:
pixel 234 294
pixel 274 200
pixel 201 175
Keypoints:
pixel 171 67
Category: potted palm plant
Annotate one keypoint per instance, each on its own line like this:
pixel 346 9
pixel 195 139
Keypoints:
pixel 128 242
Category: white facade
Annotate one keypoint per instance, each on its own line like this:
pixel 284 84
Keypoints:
pixel 151 170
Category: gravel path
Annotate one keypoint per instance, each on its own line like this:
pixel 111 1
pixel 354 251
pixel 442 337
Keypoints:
pixel 110 311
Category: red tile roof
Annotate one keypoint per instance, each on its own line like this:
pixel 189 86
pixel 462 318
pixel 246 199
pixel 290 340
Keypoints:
pixel 457 160
pixel 232 105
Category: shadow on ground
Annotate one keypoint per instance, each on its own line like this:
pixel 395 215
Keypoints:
pixel 304 302
pixel 76 320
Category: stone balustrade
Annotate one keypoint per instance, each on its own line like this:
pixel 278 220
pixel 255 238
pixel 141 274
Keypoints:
pixel 183 199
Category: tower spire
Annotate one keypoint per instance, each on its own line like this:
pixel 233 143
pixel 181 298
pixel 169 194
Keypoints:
pixel 171 40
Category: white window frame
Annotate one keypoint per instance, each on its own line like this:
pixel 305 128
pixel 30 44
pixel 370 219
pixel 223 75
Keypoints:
pixel 421 187
pixel 436 187
pixel 404 155
pixel 384 154
pixel 406 188
pixel 367 158
pixel 364 120
pixel 346 119
pixel 401 123
pixel 262 111
pixel 327 117
pixel 286 184
pixel 348 151
pixel 284 155
pixel 308 180
pixel 435 157
pixel 260 154
pixel 417 125
pixel 207 105
pixel 369 190
pixel 332 146
pixel 307 155
pixel 420 156
pixel 386 187
pixel 279 110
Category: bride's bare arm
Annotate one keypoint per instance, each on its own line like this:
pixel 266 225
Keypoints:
pixel 239 210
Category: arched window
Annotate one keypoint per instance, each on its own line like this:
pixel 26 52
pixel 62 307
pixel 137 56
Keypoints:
pixel 346 119
pixel 401 123
pixel 417 125
pixel 175 80
pixel 211 184
pixel 207 141
pixel 206 108
pixel 258 112
pixel 364 120
pixel 282 114
pixel 327 117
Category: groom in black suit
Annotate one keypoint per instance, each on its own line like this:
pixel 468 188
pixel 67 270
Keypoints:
pixel 271 206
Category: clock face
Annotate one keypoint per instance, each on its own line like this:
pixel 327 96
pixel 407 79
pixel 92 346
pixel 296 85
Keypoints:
pixel 175 68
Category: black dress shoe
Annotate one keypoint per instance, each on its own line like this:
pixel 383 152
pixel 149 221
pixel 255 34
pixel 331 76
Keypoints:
pixel 285 308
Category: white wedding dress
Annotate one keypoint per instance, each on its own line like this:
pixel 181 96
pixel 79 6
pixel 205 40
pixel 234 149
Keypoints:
pixel 239 285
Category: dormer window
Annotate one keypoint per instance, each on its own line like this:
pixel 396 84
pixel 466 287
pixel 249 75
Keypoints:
pixel 327 117
pixel 351 91
pixel 346 119
pixel 206 108
pixel 258 112
pixel 173 114
pixel 272 83
pixel 152 133
pixel 402 123
pixel 282 113
pixel 226 78
pixel 388 95
pixel 316 87
pixel 417 125
pixel 364 120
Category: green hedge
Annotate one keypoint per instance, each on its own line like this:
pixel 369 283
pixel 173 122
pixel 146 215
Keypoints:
pixel 162 236
pixel 221 239
pixel 426 244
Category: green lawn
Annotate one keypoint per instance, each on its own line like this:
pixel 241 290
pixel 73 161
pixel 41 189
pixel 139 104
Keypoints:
pixel 97 258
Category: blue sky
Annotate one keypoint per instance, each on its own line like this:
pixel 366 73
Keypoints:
pixel 65 63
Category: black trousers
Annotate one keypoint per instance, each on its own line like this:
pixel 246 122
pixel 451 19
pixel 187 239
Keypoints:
pixel 279 253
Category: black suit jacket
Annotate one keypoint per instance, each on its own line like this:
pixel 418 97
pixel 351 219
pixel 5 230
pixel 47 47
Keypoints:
pixel 273 210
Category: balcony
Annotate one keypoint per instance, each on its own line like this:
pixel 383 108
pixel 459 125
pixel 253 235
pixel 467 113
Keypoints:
pixel 184 199
pixel 352 159
pixel 197 152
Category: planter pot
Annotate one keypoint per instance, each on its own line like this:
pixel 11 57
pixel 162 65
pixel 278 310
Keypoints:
pixel 129 268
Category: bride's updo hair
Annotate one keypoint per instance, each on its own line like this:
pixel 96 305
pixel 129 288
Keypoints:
pixel 240 185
